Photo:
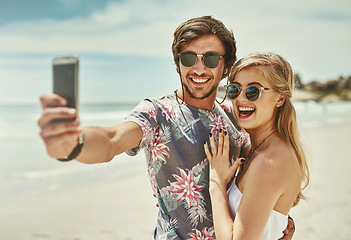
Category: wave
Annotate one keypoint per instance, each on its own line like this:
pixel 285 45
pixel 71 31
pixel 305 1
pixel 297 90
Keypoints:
pixel 28 183
pixel 120 164
pixel 313 107
pixel 115 116
pixel 40 174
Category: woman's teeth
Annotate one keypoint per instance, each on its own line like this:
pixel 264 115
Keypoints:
pixel 245 109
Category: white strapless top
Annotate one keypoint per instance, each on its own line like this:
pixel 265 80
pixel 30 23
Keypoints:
pixel 277 221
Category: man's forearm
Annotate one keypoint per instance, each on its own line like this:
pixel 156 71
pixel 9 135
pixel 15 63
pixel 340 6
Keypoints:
pixel 102 144
pixel 97 147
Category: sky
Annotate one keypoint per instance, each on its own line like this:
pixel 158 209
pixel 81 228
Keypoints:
pixel 124 47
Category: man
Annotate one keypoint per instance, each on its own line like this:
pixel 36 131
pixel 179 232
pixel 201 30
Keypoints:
pixel 171 129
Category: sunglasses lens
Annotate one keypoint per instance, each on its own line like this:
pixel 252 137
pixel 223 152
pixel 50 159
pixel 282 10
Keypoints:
pixel 232 92
pixel 211 60
pixel 252 93
pixel 188 59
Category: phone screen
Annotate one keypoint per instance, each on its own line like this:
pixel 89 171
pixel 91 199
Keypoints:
pixel 65 81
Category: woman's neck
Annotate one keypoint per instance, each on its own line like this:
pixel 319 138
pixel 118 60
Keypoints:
pixel 258 135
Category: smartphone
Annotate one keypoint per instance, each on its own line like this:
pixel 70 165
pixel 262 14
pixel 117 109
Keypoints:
pixel 65 79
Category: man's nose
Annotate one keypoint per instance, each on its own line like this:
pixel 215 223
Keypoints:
pixel 199 66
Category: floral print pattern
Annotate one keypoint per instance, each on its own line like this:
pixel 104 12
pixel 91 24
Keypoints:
pixel 205 234
pixel 173 137
pixel 217 124
pixel 157 149
pixel 186 188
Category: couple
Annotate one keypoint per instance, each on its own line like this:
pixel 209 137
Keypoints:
pixel 172 130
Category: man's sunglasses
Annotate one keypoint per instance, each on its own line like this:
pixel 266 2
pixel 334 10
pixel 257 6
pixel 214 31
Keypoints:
pixel 252 93
pixel 210 60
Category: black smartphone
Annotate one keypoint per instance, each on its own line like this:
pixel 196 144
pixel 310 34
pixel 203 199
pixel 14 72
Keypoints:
pixel 65 79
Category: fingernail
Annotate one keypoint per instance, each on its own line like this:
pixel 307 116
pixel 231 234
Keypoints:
pixel 225 133
pixel 220 130
pixel 204 142
pixel 71 111
pixel 210 134
pixel 242 160
pixel 60 102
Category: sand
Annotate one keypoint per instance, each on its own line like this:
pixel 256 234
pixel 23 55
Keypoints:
pixel 124 208
pixel 326 214
pixel 120 209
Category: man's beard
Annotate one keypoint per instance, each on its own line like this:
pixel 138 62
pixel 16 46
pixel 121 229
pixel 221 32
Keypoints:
pixel 213 89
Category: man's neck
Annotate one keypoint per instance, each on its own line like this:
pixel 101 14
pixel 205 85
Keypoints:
pixel 205 104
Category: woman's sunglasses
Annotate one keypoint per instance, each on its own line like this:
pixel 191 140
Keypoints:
pixel 210 60
pixel 252 93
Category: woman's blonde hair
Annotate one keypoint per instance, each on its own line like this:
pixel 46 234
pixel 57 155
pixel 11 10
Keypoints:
pixel 279 74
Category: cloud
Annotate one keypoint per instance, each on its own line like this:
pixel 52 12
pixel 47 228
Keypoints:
pixel 146 27
pixel 312 35
pixel 122 28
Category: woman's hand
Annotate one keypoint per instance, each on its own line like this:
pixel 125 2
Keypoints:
pixel 221 170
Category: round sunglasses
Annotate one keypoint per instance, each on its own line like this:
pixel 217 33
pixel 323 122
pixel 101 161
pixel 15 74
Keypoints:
pixel 210 60
pixel 252 93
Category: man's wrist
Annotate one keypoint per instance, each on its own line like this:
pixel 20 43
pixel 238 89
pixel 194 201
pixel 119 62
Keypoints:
pixel 76 150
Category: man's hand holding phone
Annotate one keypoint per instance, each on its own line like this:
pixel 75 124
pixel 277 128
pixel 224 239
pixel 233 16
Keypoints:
pixel 59 122
pixel 60 137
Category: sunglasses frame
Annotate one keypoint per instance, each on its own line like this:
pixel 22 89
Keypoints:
pixel 245 89
pixel 203 57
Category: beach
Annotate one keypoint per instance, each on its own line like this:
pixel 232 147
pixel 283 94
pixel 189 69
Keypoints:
pixel 326 214
pixel 121 206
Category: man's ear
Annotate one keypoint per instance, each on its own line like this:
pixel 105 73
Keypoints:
pixel 280 101
pixel 225 72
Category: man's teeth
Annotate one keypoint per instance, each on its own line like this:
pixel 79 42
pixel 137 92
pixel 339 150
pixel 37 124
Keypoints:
pixel 200 80
pixel 246 109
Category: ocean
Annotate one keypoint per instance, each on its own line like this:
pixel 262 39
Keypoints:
pixel 26 169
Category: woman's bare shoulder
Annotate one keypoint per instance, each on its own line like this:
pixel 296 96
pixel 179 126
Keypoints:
pixel 273 165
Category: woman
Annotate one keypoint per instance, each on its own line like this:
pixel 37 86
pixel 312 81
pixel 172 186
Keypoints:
pixel 268 182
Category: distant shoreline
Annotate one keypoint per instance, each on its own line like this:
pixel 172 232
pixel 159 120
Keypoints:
pixel 301 95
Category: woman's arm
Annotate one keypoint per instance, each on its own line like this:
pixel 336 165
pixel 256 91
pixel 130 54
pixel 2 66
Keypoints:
pixel 263 187
pixel 221 172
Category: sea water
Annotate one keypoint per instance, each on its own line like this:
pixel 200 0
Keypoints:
pixel 26 169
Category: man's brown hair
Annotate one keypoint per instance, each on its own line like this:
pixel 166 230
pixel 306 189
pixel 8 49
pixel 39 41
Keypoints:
pixel 196 28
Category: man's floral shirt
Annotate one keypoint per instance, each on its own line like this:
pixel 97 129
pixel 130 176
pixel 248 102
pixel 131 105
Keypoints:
pixel 173 140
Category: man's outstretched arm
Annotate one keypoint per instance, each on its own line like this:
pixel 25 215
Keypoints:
pixel 101 144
